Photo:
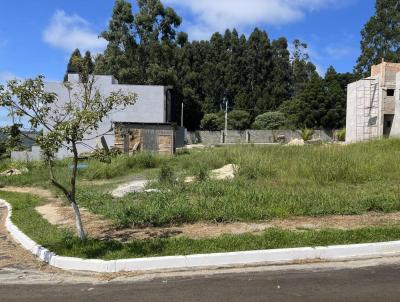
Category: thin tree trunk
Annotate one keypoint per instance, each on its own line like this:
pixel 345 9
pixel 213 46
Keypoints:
pixel 71 195
pixel 78 221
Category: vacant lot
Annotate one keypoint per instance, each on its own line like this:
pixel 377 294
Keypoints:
pixel 273 182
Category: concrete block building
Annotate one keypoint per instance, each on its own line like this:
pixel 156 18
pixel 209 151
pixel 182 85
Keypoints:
pixel 155 105
pixel 373 104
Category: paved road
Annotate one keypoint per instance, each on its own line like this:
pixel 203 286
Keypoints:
pixel 361 284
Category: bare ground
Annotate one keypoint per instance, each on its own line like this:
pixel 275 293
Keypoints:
pixel 97 227
pixel 12 254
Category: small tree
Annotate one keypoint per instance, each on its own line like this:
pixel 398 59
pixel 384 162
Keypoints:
pixel 270 121
pixel 212 122
pixel 64 125
pixel 12 140
pixel 238 120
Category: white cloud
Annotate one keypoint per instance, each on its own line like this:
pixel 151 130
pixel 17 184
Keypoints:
pixel 339 52
pixel 217 15
pixel 69 32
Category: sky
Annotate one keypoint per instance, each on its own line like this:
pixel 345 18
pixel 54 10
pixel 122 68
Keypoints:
pixel 37 37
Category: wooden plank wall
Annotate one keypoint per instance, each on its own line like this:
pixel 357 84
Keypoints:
pixel 147 139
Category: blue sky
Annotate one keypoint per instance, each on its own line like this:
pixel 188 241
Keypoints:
pixel 37 37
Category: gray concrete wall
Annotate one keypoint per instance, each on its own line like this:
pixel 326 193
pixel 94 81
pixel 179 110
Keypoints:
pixel 235 137
pixel 150 107
pixel 33 155
pixel 203 137
pixel 251 136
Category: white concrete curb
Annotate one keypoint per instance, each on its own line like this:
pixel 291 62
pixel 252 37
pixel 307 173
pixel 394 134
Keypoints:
pixel 265 257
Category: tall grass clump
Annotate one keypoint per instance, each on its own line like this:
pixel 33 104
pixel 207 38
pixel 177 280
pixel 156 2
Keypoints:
pixel 307 134
pixel 166 174
pixel 122 165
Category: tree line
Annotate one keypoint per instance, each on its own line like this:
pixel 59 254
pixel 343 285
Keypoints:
pixel 268 83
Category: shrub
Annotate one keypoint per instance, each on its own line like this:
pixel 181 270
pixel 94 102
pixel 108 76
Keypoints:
pixel 341 135
pixel 201 173
pixel 105 157
pixel 306 134
pixel 166 174
pixel 3 150
pixel 270 121
pixel 212 122
pixel 238 120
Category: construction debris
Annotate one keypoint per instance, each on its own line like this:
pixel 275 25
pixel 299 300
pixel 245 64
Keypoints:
pixel 136 186
pixel 13 172
pixel 296 142
pixel 224 173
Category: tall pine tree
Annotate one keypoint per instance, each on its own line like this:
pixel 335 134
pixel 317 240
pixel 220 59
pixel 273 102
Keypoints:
pixel 73 64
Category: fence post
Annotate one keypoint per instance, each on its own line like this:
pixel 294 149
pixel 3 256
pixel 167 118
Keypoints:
pixel 247 136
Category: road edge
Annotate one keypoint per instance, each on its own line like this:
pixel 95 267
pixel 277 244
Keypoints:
pixel 260 257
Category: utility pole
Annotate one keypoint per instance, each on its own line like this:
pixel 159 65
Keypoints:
pixel 226 118
pixel 182 115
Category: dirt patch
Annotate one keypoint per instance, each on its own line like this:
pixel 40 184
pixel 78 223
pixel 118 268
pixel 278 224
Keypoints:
pixel 97 227
pixel 57 213
pixel 12 255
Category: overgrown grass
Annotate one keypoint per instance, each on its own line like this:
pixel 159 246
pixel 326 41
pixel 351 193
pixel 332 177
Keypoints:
pixel 122 165
pixel 65 243
pixel 272 182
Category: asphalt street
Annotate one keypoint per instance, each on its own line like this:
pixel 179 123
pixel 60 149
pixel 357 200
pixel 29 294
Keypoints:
pixel 380 283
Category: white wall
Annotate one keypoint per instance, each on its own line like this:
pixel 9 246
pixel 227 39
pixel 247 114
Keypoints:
pixel 351 134
pixel 150 106
pixel 361 96
pixel 396 122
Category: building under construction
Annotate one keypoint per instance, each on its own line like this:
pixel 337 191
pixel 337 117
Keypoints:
pixel 373 109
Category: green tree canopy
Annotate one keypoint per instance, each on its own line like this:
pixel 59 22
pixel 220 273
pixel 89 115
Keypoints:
pixel 72 66
pixel 253 73
pixel 270 121
pixel 239 120
pixel 212 122
pixel 380 37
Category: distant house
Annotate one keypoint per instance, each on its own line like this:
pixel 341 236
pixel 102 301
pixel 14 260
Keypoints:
pixel 154 105
pixel 373 104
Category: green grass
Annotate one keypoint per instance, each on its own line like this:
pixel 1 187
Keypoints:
pixel 65 243
pixel 273 182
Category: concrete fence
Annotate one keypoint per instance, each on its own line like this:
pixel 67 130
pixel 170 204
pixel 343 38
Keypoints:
pixel 252 136
pixel 34 155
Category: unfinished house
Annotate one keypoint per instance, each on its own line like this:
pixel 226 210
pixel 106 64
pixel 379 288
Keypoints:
pixel 373 104
pixel 155 105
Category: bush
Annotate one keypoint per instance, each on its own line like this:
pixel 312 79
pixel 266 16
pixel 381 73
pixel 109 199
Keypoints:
pixel 270 121
pixel 3 150
pixel 201 173
pixel 105 157
pixel 341 135
pixel 166 174
pixel 306 134
pixel 238 120
pixel 212 122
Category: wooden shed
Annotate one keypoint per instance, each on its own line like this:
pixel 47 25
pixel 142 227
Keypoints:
pixel 150 137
